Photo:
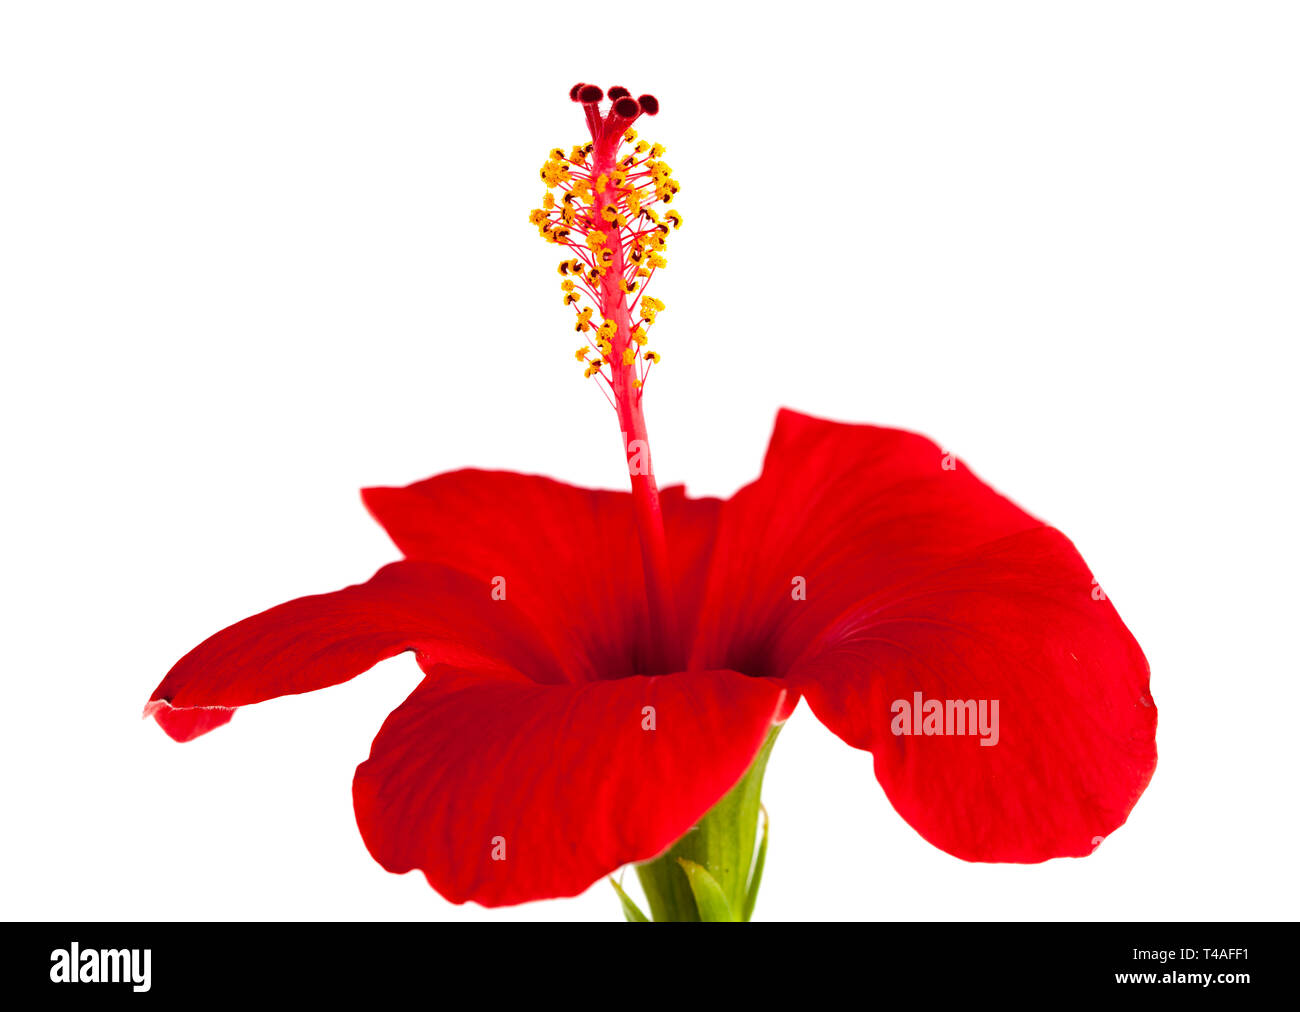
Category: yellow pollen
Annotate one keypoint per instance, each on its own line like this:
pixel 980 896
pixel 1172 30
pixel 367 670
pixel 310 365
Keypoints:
pixel 603 209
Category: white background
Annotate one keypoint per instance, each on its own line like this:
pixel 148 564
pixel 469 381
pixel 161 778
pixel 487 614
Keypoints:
pixel 255 256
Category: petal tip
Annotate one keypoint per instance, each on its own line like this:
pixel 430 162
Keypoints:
pixel 185 723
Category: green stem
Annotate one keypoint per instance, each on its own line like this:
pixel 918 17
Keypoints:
pixel 722 843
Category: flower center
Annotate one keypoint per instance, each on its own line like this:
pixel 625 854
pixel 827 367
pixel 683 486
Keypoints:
pixel 599 204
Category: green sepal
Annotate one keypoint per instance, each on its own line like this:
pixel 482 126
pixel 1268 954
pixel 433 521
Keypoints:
pixel 710 900
pixel 630 910
pixel 756 878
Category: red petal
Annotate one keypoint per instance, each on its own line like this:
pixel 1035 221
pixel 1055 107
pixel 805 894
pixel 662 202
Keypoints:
pixel 569 555
pixel 187 723
pixel 317 641
pixel 565 776
pixel 923 579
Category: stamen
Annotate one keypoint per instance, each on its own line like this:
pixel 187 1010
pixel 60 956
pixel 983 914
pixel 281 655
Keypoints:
pixel 600 204
pixel 603 214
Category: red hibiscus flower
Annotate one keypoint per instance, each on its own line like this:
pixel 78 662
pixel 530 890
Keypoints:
pixel 589 704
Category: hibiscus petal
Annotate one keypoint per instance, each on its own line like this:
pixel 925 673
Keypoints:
pixel 569 556
pixel 313 642
pixel 502 792
pixel 917 577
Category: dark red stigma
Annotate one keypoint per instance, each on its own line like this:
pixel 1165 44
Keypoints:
pixel 623 109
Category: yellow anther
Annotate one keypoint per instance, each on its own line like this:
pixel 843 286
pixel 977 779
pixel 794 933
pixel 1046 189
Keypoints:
pixel 554 173
pixel 615 236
